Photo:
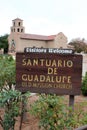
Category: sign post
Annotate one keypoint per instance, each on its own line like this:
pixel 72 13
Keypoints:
pixel 52 71
pixel 71 101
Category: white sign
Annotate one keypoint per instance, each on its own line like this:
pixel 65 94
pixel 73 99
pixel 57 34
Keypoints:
pixel 49 50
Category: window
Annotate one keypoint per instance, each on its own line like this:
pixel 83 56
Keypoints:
pixel 22 30
pixel 18 30
pixel 14 23
pixel 19 23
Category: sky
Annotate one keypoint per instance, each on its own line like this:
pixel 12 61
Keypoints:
pixel 46 17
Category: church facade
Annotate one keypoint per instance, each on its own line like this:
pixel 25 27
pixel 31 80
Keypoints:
pixel 18 39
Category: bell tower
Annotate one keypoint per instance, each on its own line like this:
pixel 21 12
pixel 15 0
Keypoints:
pixel 16 30
pixel 17 26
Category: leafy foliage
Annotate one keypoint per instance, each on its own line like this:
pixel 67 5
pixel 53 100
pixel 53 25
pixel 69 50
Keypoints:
pixel 79 45
pixel 10 101
pixel 54 114
pixel 10 98
pixel 7 71
pixel 4 43
pixel 84 85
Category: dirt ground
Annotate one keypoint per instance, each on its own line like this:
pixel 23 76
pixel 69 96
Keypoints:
pixel 31 123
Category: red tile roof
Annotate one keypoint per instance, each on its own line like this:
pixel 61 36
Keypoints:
pixel 37 37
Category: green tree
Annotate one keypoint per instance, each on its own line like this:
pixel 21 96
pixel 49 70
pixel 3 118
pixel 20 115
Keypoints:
pixel 79 45
pixel 4 43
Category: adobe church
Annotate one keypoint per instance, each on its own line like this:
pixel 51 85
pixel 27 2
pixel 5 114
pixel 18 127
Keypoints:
pixel 18 39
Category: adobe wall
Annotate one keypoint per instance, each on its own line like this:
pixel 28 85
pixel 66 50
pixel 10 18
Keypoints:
pixel 28 43
pixel 84 66
pixel 2 51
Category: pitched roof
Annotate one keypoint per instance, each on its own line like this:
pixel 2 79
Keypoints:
pixel 17 19
pixel 37 37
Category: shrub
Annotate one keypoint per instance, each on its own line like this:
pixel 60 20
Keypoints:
pixel 10 98
pixel 54 114
pixel 84 85
pixel 10 101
